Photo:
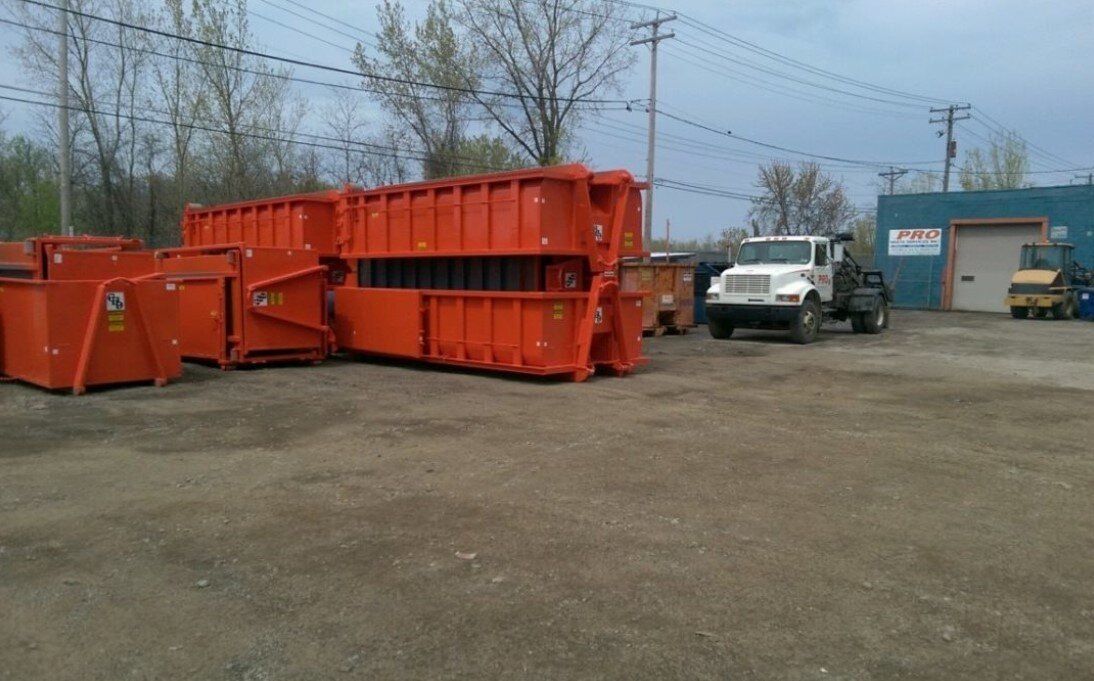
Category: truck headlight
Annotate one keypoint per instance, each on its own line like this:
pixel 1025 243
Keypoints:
pixel 788 298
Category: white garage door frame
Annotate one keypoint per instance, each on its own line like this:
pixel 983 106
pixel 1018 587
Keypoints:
pixel 955 243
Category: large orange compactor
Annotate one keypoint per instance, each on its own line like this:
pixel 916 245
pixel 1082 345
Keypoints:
pixel 514 272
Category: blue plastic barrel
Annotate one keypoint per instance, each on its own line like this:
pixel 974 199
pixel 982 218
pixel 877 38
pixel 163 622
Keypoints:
pixel 704 272
pixel 1086 303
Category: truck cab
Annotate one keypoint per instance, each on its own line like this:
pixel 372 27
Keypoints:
pixel 795 283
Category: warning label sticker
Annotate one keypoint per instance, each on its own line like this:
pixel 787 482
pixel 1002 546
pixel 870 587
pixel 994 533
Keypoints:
pixel 558 311
pixel 598 316
pixel 115 321
pixel 570 280
pixel 598 232
pixel 267 298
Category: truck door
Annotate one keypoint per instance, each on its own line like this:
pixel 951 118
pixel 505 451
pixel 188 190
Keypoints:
pixel 822 271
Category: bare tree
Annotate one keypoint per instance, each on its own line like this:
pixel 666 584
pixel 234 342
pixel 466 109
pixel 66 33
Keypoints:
pixel 553 53
pixel 410 58
pixel 106 83
pixel 181 89
pixel 249 104
pixel 344 120
pixel 1003 165
pixel 805 201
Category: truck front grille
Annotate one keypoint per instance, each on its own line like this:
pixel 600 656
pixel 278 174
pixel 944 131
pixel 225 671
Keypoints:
pixel 747 284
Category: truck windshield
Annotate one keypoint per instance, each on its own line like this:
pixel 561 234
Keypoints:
pixel 772 252
pixel 1042 257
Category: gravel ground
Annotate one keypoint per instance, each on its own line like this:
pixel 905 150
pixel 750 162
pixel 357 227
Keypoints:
pixel 912 505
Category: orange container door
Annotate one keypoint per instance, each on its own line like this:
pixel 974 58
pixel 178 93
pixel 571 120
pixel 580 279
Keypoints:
pixel 203 318
pixel 282 303
pixel 381 321
pixel 286 315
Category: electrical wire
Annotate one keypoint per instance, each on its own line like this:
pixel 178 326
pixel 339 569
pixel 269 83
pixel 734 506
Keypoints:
pixel 318 66
pixel 265 74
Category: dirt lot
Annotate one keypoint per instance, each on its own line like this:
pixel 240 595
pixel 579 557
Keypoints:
pixel 915 505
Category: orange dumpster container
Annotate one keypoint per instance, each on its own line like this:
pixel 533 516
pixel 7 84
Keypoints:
pixel 669 295
pixel 306 222
pixel 248 305
pixel 74 258
pixel 558 211
pixel 77 334
pixel 572 334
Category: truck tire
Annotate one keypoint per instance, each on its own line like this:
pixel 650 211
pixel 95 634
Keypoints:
pixel 888 315
pixel 1019 312
pixel 857 325
pixel 720 329
pixel 1040 312
pixel 1061 311
pixel 804 328
pixel 875 320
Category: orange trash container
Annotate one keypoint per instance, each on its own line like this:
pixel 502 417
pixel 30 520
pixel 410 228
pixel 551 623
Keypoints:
pixel 306 222
pixel 565 211
pixel 668 294
pixel 572 334
pixel 74 258
pixel 76 334
pixel 242 305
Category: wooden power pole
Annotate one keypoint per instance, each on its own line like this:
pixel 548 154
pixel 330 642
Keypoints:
pixel 652 41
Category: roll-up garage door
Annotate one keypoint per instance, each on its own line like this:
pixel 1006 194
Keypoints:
pixel 986 259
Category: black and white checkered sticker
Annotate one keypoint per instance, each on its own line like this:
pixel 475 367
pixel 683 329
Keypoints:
pixel 115 301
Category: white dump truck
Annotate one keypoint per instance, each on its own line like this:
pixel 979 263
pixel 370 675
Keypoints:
pixel 797 283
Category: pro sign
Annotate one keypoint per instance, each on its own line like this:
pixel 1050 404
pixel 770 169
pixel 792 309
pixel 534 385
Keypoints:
pixel 915 241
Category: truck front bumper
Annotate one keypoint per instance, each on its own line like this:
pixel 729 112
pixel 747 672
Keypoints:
pixel 744 315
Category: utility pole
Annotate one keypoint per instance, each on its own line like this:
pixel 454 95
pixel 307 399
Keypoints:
pixel 655 38
pixel 64 162
pixel 892 176
pixel 1089 177
pixel 951 145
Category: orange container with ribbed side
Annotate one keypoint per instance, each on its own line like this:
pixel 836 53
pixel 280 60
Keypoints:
pixel 77 334
pixel 304 222
pixel 557 211
pixel 572 335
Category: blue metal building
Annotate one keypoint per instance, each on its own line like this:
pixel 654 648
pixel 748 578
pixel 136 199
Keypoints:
pixel 959 250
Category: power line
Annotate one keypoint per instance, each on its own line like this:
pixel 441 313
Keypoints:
pixel 794 63
pixel 1054 157
pixel 356 39
pixel 786 91
pixel 323 67
pixel 798 152
pixel 802 81
pixel 255 72
pixel 286 139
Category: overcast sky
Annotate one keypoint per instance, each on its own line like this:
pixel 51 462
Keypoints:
pixel 1026 65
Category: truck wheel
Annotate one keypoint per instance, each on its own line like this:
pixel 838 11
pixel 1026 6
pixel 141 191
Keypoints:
pixel 1019 312
pixel 720 329
pixel 804 329
pixel 857 325
pixel 888 315
pixel 874 320
pixel 1040 312
pixel 1060 311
